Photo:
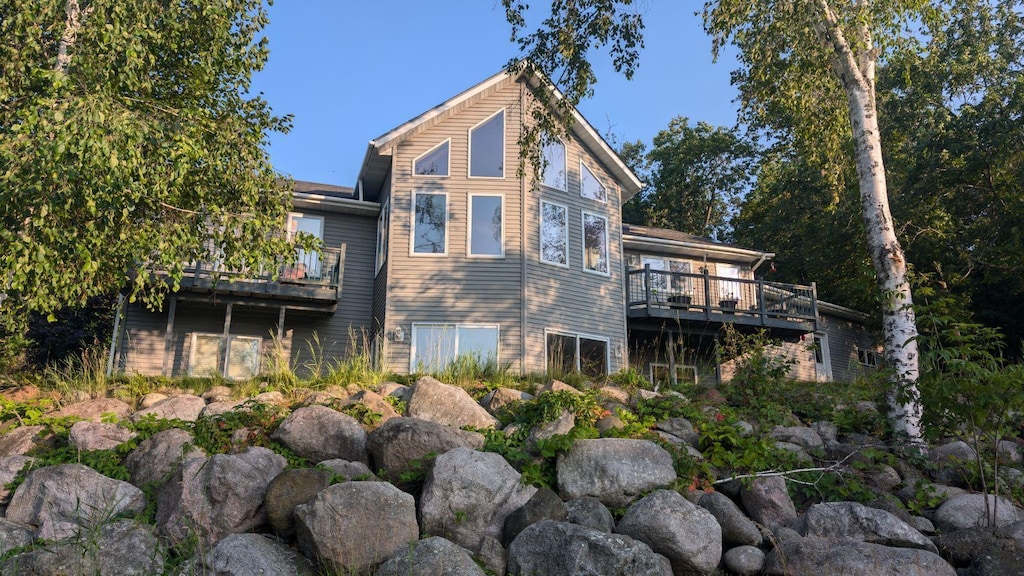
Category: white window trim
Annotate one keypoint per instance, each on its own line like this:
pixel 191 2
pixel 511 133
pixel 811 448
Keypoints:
pixel 577 336
pixel 583 244
pixel 469 155
pixel 293 214
pixel 469 227
pixel 826 360
pixel 565 168
pixel 220 361
pixel 448 168
pixel 653 365
pixel 454 326
pixel 540 236
pixel 383 234
pixel 583 166
pixel 412 225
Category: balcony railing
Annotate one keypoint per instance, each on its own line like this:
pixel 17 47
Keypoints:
pixel 699 296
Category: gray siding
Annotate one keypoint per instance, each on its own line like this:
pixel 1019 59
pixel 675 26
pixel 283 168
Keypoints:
pixel 845 338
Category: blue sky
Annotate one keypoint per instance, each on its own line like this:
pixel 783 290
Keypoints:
pixel 350 71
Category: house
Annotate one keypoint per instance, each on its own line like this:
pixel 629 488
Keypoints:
pixel 446 248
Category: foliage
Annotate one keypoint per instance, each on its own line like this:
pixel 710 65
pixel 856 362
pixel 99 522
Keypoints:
pixel 761 373
pixel 74 332
pixel 362 414
pixel 550 405
pixel 130 146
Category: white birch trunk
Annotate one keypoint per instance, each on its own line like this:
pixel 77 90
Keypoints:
pixel 67 40
pixel 856 72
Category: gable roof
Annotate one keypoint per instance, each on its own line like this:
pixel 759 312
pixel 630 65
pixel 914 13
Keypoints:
pixel 663 240
pixel 376 162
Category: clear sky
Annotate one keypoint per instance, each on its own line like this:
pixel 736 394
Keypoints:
pixel 350 70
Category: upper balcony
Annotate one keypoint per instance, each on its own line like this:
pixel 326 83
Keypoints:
pixel 703 303
pixel 313 281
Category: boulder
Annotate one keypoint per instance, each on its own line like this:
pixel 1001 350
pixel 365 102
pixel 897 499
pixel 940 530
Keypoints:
pixel 186 408
pixel 468 495
pixel 827 431
pixel 853 521
pixel 400 391
pixel 10 466
pixel 550 548
pixel 348 470
pixel 402 444
pixel 14 535
pixel 802 436
pixel 492 556
pixel 543 505
pixel 377 403
pixel 613 470
pixel 590 513
pixel 449 405
pixel 117 548
pixel 21 440
pixel 221 407
pixel 272 398
pixel 737 529
pixel 1008 452
pixel 686 534
pixel 968 511
pixel 615 394
pixel 800 556
pixel 560 425
pixel 680 428
pixel 86 435
pixel 155 458
pixel 950 461
pixel 249 554
pixel 354 526
pixel 500 397
pixel 432 556
pixel 151 399
pixel 216 394
pixel 209 498
pixel 767 501
pixel 962 547
pixel 319 433
pixel 744 560
pixel 288 490
pixel 62 500
pixel 94 410
pixel 557 386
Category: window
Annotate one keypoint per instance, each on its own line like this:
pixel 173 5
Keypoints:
pixel 595 243
pixel 590 186
pixel 433 162
pixel 429 229
pixel 383 220
pixel 680 284
pixel 434 346
pixel 206 357
pixel 554 165
pixel 577 353
pixel 486 225
pixel 307 264
pixel 728 290
pixel 867 358
pixel 554 234
pixel 487 147
pixel 822 362
pixel 661 375
pixel 659 280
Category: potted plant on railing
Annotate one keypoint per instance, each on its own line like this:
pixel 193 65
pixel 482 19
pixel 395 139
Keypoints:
pixel 728 302
pixel 680 299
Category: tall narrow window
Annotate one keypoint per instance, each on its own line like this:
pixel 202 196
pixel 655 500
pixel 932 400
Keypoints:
pixel 554 165
pixel 383 220
pixel 307 264
pixel 554 234
pixel 486 225
pixel 430 219
pixel 487 148
pixel 590 186
pixel 433 162
pixel 595 243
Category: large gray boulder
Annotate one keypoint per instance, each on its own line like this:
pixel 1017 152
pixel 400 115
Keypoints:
pixel 186 408
pixel 803 556
pixel 354 526
pixel 432 556
pixel 155 459
pixel 806 438
pixel 449 405
pixel 680 428
pixel 86 435
pixel 500 397
pixel 737 529
pixel 95 409
pixel 854 521
pixel 969 511
pixel 10 466
pixel 543 505
pixel 590 513
pixel 401 444
pixel 468 494
pixel 288 490
pixel 209 498
pixel 319 433
pixel 686 534
pixel 613 470
pixel 62 500
pixel 21 440
pixel 767 501
pixel 744 560
pixel 252 554
pixel 950 461
pixel 14 535
pixel 550 548
pixel 117 548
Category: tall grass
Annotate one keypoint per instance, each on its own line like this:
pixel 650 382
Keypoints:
pixel 85 373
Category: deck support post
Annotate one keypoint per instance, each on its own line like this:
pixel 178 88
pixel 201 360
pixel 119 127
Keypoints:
pixel 169 337
pixel 227 339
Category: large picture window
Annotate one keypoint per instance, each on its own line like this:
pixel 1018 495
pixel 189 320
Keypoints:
pixel 554 234
pixel 487 147
pixel 595 243
pixel 206 356
pixel 486 229
pixel 430 223
pixel 590 186
pixel 554 165
pixel 433 162
pixel 577 353
pixel 435 346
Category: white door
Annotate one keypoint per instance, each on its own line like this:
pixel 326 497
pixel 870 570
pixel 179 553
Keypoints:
pixel 308 265
pixel 822 364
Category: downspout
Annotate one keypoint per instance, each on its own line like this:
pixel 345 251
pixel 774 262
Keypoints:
pixel 764 258
pixel 523 317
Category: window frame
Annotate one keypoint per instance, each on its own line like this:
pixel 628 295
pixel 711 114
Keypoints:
pixel 565 166
pixel 583 240
pixel 679 367
pixel 869 358
pixel 565 234
pixel 416 326
pixel 469 226
pixel 448 165
pixel 578 336
pixel 504 151
pixel 219 338
pixel 383 235
pixel 604 189
pixel 412 228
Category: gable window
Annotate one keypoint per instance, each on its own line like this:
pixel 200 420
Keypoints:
pixel 554 165
pixel 486 225
pixel 206 356
pixel 435 346
pixel 554 234
pixel 576 353
pixel 433 162
pixel 595 243
pixel 430 219
pixel 383 220
pixel 590 186
pixel 487 147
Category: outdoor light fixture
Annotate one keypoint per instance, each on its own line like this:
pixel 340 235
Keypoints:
pixel 399 334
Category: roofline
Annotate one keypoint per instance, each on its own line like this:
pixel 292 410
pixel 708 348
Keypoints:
pixel 753 255
pixel 346 205
pixel 842 311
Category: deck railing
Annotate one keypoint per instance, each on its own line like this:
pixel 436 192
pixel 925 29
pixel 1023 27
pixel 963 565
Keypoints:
pixel 310 269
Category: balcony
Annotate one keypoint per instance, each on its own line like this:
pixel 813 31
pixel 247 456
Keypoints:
pixel 312 282
pixel 703 303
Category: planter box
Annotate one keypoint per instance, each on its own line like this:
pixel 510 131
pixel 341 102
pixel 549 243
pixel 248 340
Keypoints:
pixel 680 300
pixel 728 306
